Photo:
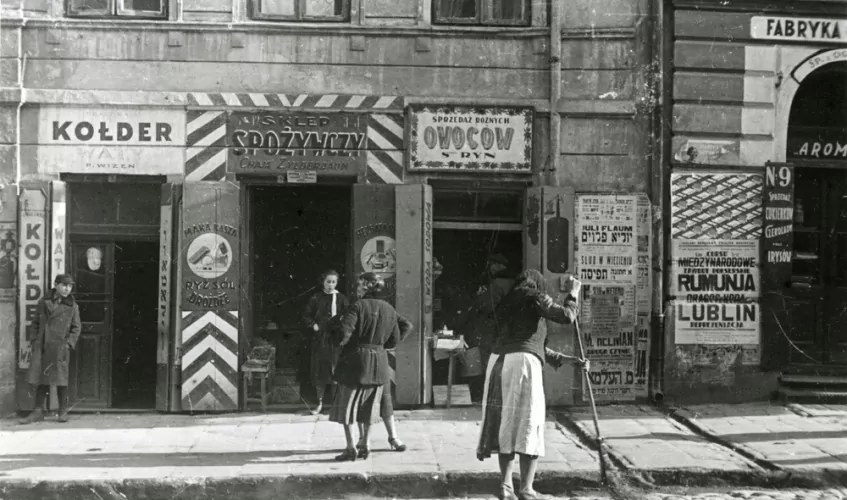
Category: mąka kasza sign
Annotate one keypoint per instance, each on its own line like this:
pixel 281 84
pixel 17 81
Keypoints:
pixel 471 138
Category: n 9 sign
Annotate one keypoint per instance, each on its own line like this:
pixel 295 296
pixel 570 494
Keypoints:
pixel 779 176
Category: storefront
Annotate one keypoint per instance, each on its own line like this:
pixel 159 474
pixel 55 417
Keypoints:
pixel 757 202
pixel 90 206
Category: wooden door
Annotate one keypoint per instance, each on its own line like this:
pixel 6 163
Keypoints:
pixel 91 361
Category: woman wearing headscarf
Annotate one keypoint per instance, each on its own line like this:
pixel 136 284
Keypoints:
pixel 367 328
pixel 513 408
pixel 323 306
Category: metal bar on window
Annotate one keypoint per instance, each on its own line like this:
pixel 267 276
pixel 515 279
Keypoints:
pixel 124 11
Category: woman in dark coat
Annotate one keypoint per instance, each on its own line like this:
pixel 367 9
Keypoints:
pixel 513 408
pixel 54 332
pixel 322 307
pixel 367 329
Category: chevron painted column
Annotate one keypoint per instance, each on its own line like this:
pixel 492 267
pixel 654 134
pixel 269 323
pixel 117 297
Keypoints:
pixel 209 360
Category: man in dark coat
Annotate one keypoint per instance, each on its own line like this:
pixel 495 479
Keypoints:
pixel 53 333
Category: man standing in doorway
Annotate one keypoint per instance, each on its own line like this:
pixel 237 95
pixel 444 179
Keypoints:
pixel 53 333
pixel 481 326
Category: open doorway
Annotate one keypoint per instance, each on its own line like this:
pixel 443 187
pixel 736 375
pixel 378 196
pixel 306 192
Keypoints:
pixel 298 232
pixel 135 328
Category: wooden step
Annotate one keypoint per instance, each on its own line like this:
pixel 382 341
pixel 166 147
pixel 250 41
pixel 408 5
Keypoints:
pixel 788 393
pixel 812 379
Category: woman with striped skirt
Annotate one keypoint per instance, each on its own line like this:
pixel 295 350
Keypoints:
pixel 513 408
pixel 367 328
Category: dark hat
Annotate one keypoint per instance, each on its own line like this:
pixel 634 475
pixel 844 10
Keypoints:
pixel 64 279
pixel 499 258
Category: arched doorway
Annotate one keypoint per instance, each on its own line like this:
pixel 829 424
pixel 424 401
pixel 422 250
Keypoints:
pixel 817 146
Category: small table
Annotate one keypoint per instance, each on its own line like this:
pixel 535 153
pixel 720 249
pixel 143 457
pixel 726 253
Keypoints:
pixel 451 346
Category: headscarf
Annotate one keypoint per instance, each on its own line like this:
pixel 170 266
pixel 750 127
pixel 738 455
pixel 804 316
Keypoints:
pixel 529 284
pixel 374 284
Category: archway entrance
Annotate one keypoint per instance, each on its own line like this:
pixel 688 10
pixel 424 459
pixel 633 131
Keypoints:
pixel 817 145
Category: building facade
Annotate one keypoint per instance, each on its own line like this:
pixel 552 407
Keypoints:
pixel 197 164
pixel 755 203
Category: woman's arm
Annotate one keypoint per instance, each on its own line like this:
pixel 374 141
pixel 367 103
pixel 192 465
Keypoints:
pixel 565 314
pixel 348 323
pixel 309 313
pixel 557 359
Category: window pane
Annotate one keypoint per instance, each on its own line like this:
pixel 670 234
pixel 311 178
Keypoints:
pixel 507 10
pixel 145 5
pixel 83 6
pixel 456 9
pixel 278 7
pixel 324 8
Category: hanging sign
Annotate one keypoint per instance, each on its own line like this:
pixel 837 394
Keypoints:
pixel 471 138
pixel 778 241
pixel 273 142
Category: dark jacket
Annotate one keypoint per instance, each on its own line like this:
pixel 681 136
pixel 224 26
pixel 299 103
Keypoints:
pixel 319 309
pixel 366 329
pixel 54 331
pixel 522 318
pixel 481 326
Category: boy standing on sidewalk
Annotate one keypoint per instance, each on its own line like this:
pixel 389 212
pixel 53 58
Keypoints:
pixel 53 333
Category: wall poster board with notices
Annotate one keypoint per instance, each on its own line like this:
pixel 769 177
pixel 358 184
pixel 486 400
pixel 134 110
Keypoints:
pixel 606 262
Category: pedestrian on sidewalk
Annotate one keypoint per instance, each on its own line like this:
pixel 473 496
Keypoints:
pixel 54 332
pixel 322 307
pixel 513 409
pixel 481 322
pixel 367 328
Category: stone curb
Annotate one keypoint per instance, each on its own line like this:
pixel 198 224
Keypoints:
pixel 763 477
pixel 419 485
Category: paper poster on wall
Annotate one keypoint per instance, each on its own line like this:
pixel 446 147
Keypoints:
pixel 605 232
pixel 715 270
pixel 643 294
pixel 608 335
pixel 716 323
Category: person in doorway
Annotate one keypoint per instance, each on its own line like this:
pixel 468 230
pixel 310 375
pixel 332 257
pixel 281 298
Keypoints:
pixel 54 332
pixel 513 410
pixel 481 322
pixel 320 310
pixel 366 329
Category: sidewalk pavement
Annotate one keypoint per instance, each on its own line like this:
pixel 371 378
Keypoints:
pixel 291 456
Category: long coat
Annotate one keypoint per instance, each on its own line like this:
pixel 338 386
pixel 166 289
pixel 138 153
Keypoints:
pixel 368 328
pixel 324 354
pixel 54 332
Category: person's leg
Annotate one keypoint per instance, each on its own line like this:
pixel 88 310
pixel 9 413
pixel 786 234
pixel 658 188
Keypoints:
pixel 365 450
pixel 507 460
pixel 319 394
pixel 62 394
pixel 350 452
pixel 42 392
pixel 528 464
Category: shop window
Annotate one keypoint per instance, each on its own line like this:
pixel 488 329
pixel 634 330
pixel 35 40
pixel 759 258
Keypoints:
pixel 482 12
pixel 114 208
pixel 301 10
pixel 142 9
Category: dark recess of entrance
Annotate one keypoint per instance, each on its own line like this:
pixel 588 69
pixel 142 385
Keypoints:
pixel 134 344
pixel 298 233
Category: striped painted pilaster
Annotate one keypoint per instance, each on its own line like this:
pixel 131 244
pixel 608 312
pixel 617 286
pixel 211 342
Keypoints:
pixel 385 149
pixel 205 158
pixel 209 360
pixel 313 101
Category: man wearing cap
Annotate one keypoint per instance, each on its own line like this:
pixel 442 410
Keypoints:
pixel 53 333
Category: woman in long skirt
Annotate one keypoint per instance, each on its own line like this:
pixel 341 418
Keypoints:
pixel 323 307
pixel 367 329
pixel 513 408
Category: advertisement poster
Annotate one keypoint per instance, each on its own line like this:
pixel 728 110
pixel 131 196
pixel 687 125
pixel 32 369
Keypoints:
pixel 778 241
pixel 605 232
pixel 32 268
pixel 717 323
pixel 275 142
pixel 471 138
pixel 643 295
pixel 608 334
pixel 715 270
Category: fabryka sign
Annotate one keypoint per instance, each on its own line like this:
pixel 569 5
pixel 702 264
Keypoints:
pixel 798 29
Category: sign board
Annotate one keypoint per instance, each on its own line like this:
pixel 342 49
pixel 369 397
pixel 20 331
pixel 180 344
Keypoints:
pixel 113 140
pixel 817 143
pixel 717 323
pixel 32 266
pixel 471 139
pixel 209 248
pixel 778 220
pixel 818 60
pixel 273 142
pixel 302 177
pixel 715 270
pixel 799 29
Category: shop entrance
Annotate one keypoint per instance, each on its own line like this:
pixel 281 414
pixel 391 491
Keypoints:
pixel 817 134
pixel 471 227
pixel 297 233
pixel 114 257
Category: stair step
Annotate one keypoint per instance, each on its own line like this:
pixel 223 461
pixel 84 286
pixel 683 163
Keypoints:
pixel 812 379
pixel 812 394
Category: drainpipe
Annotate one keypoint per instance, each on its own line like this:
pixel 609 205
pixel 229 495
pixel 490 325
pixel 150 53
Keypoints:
pixel 662 15
pixel 555 92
